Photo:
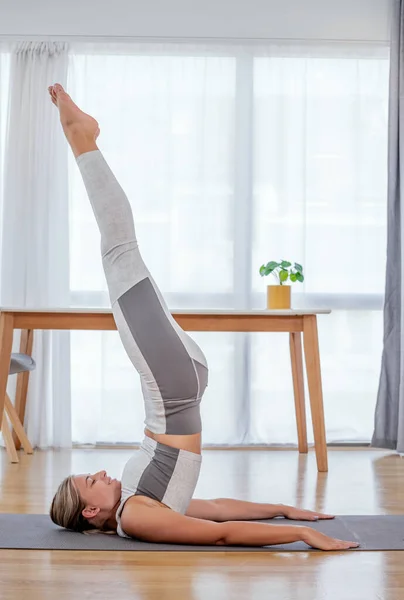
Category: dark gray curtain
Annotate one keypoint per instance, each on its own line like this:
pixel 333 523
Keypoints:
pixel 389 415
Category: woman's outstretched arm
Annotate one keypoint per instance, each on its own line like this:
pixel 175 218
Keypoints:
pixel 227 509
pixel 162 525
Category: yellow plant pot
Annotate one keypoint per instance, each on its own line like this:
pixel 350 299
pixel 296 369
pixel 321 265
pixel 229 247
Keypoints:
pixel 278 296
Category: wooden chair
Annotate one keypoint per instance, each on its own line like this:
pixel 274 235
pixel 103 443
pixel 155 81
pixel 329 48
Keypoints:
pixel 20 363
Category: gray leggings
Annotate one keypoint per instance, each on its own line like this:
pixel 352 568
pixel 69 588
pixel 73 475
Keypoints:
pixel 172 368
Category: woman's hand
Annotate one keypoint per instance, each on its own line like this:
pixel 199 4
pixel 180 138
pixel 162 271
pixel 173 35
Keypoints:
pixel 315 539
pixel 298 514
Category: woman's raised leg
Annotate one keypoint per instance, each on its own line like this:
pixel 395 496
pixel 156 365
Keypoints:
pixel 171 365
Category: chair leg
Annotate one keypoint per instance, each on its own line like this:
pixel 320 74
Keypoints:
pixel 26 344
pixel 17 425
pixel 8 440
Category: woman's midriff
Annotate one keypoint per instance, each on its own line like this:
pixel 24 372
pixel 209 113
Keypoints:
pixel 191 443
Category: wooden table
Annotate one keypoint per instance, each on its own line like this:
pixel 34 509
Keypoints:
pixel 291 321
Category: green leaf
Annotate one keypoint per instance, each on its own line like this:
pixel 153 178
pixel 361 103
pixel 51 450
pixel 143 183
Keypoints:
pixel 293 277
pixel 298 267
pixel 299 277
pixel 268 271
pixel 283 275
pixel 285 264
pixel 273 264
pixel 262 270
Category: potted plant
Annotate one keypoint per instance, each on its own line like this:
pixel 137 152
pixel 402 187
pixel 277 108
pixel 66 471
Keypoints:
pixel 278 296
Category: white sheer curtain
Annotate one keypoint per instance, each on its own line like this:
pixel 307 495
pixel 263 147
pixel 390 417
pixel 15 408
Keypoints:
pixel 4 92
pixel 231 157
pixel 35 230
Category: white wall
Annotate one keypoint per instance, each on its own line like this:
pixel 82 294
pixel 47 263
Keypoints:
pixel 296 19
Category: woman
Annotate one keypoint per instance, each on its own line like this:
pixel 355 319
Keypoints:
pixel 154 500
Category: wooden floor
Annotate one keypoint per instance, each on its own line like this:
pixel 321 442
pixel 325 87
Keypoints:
pixel 359 482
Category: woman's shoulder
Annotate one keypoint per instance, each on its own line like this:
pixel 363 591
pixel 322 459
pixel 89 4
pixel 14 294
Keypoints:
pixel 138 511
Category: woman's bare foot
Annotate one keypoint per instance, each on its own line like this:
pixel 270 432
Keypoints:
pixel 80 129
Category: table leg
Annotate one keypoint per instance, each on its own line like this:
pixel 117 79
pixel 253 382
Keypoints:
pixel 6 343
pixel 296 357
pixel 26 342
pixel 312 356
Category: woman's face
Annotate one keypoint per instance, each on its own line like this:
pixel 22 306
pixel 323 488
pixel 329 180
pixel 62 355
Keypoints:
pixel 99 493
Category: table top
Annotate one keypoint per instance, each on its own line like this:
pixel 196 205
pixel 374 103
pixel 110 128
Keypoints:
pixel 207 312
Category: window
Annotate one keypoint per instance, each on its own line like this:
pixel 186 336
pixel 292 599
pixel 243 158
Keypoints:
pixel 231 160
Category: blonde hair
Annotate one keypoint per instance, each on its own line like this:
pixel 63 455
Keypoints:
pixel 67 509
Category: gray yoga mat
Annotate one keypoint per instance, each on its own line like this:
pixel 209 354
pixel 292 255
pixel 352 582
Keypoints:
pixel 37 532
